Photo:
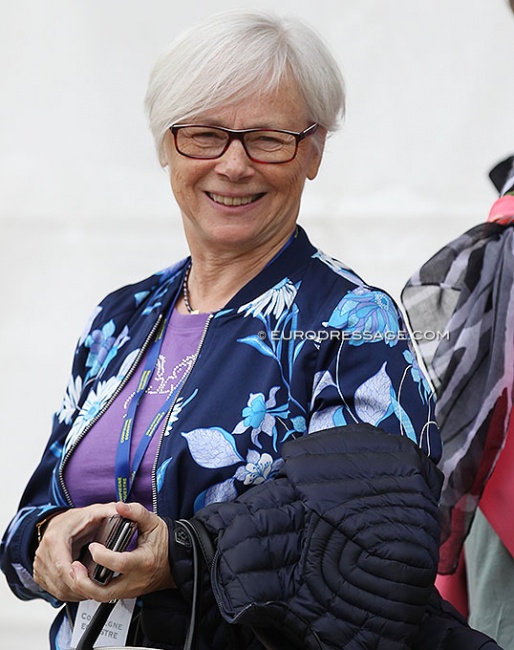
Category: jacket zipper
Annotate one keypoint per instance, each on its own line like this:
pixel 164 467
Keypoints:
pixel 182 384
pixel 106 406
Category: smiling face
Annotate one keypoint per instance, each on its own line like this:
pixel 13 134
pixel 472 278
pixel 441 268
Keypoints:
pixel 234 205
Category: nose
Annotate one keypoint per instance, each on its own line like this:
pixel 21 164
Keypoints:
pixel 234 163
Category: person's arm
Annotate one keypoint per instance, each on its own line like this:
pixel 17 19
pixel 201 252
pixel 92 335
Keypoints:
pixel 105 334
pixel 367 372
pixel 42 498
pixel 37 507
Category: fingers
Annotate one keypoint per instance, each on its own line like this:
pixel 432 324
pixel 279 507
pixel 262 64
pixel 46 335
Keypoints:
pixel 89 590
pixel 53 574
pixel 145 519
pixel 63 538
pixel 142 570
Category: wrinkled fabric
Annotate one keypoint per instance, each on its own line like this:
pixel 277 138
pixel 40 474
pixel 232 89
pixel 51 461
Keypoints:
pixel 340 550
pixel 466 293
pixel 466 290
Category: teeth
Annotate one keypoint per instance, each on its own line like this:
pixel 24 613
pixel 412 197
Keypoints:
pixel 233 200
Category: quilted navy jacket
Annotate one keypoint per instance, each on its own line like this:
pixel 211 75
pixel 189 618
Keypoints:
pixel 339 551
pixel 304 346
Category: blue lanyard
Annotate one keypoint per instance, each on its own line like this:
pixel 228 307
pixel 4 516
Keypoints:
pixel 124 473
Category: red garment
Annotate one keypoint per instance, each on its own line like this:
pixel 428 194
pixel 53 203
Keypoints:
pixel 453 587
pixel 497 502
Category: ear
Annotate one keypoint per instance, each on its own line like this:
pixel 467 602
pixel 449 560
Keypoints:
pixel 165 149
pixel 318 147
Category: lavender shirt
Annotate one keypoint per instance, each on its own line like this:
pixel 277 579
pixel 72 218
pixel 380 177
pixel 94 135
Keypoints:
pixel 89 474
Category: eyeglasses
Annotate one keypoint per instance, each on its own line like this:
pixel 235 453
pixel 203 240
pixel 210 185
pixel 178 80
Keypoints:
pixel 273 146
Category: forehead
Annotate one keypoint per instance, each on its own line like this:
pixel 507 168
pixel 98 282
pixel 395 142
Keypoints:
pixel 283 107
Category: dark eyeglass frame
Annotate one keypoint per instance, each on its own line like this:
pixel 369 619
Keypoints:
pixel 239 134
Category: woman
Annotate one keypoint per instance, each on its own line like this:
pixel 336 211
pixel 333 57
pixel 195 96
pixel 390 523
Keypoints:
pixel 255 339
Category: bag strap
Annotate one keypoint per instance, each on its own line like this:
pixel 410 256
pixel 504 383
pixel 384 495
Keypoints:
pixel 198 536
pixel 191 534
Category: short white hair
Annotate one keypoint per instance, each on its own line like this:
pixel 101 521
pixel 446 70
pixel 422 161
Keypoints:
pixel 232 55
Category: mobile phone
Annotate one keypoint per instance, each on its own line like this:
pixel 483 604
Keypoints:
pixel 116 533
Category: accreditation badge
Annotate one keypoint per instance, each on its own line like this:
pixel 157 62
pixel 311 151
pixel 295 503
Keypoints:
pixel 115 630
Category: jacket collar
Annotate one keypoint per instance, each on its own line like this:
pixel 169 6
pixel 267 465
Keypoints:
pixel 290 261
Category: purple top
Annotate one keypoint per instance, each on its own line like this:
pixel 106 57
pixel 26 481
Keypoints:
pixel 89 474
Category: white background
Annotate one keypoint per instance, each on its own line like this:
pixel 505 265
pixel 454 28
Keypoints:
pixel 84 206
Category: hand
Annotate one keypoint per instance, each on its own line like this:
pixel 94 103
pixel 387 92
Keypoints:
pixel 64 536
pixel 143 570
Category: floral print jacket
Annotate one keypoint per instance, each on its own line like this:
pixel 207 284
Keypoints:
pixel 304 346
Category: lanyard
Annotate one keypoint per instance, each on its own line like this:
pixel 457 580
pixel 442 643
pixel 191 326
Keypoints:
pixel 124 473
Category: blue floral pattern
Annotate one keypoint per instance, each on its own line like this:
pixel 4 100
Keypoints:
pixel 364 315
pixel 273 302
pixel 103 346
pixel 258 468
pixel 261 415
pixel 417 375
pixel 367 316
pixel 360 312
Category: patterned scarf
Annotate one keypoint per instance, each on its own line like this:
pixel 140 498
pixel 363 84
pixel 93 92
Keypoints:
pixel 465 292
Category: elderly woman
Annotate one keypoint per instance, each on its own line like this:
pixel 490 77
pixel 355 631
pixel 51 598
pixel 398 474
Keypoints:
pixel 186 385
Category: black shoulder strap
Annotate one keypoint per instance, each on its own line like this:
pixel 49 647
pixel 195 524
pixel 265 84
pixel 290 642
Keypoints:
pixel 192 534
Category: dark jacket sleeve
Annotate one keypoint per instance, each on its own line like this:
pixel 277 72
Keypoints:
pixel 19 543
pixel 44 493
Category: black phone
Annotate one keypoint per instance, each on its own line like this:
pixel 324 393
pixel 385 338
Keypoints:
pixel 116 533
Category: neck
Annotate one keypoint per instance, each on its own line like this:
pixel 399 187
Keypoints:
pixel 213 280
